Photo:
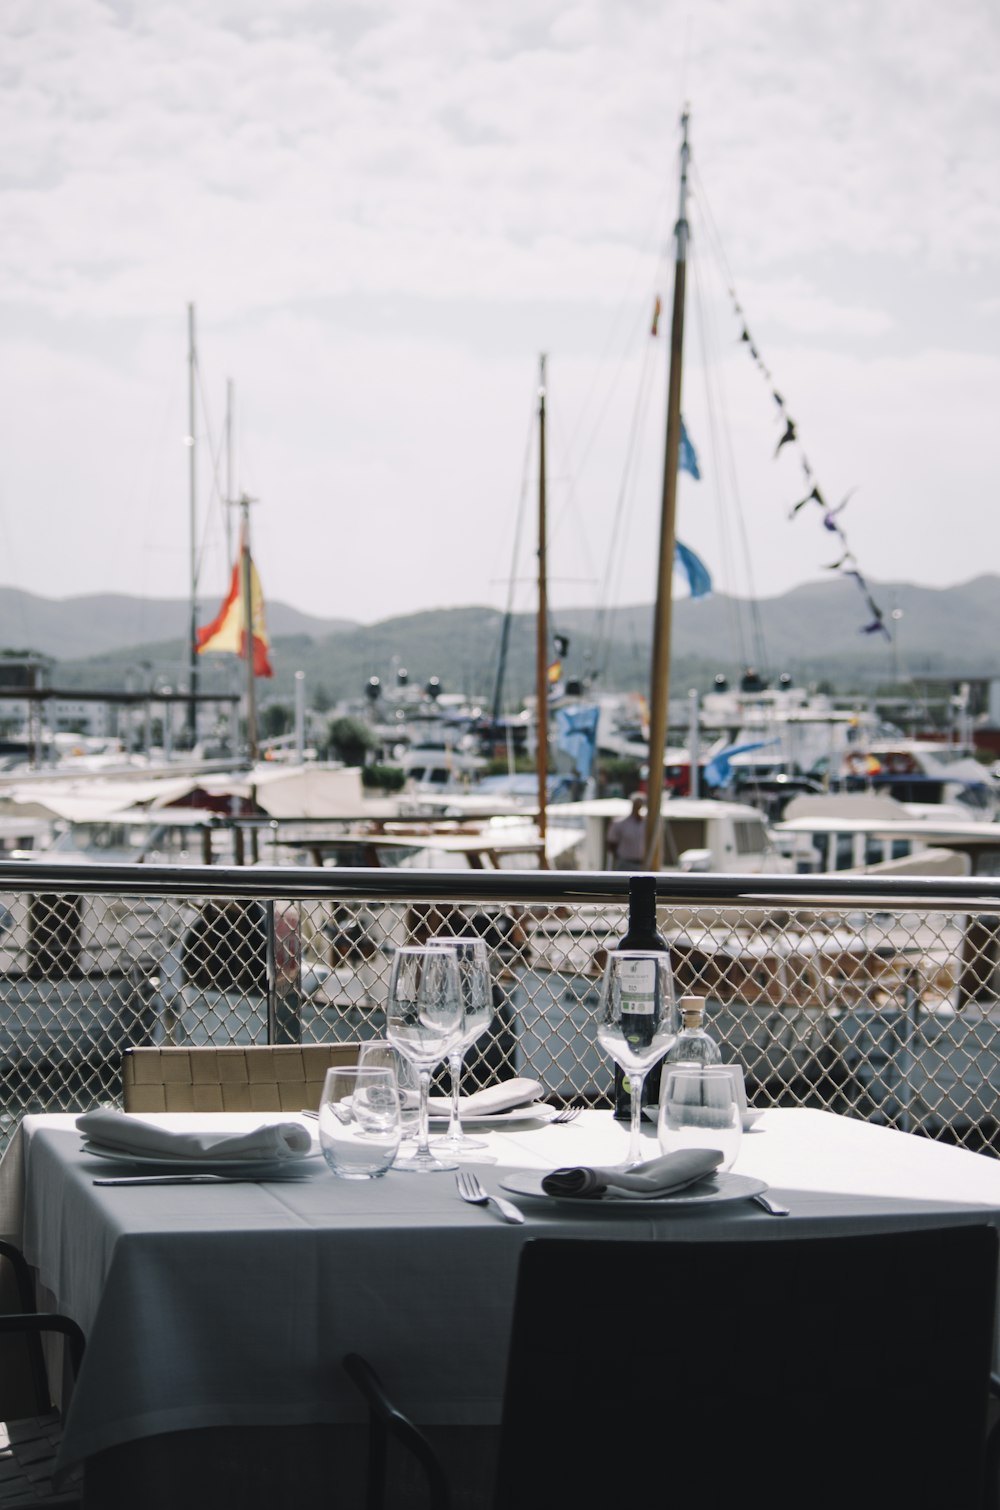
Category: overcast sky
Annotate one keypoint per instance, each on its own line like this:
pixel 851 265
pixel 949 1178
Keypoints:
pixel 384 211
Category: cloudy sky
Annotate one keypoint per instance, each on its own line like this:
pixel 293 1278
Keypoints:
pixel 383 211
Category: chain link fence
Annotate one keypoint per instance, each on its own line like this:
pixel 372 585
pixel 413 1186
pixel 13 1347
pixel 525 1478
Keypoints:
pixel 881 1006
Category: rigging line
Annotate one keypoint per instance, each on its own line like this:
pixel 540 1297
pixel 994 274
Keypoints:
pixel 878 623
pixel 515 554
pixel 734 608
pixel 562 513
pixel 718 411
pixel 620 522
pixel 10 556
pixel 214 453
pixel 655 235
pixel 760 648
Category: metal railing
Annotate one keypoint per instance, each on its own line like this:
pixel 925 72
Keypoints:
pixel 873 997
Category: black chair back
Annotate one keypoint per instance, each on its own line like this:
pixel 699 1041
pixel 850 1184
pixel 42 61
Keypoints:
pixel 793 1372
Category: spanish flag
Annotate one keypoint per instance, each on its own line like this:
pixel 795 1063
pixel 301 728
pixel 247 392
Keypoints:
pixel 227 631
pixel 657 308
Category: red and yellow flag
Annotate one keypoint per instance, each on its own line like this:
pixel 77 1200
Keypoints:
pixel 227 631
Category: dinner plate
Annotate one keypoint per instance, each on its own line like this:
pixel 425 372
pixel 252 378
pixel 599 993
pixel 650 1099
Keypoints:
pixel 535 1111
pixel 205 1165
pixel 711 1191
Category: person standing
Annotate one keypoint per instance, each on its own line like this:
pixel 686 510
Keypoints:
pixel 627 837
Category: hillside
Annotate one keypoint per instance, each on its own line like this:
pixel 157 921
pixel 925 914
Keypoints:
pixel 99 624
pixel 812 632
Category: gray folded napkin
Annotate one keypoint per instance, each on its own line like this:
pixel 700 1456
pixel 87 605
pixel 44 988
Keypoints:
pixel 119 1132
pixel 492 1098
pixel 656 1177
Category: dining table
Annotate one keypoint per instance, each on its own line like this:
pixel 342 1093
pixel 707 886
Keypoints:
pixel 229 1307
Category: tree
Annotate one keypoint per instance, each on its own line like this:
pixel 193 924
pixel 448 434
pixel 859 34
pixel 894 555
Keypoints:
pixel 276 719
pixel 350 739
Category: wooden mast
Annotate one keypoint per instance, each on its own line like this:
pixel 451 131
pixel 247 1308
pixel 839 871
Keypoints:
pixel 246 588
pixel 542 630
pixel 192 718
pixel 659 695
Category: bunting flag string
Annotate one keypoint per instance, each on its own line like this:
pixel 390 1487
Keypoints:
pixel 846 563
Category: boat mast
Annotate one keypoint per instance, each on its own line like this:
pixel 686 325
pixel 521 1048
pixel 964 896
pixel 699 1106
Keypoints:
pixel 193 525
pixel 659 696
pixel 541 634
pixel 246 589
pixel 230 489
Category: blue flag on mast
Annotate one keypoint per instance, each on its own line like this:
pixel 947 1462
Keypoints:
pixel 699 580
pixel 687 460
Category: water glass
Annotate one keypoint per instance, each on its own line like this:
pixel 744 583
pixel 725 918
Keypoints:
pixel 700 1108
pixel 376 1053
pixel 359 1128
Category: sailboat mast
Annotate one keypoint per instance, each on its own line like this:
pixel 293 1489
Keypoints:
pixel 246 588
pixel 230 488
pixel 542 629
pixel 193 524
pixel 659 696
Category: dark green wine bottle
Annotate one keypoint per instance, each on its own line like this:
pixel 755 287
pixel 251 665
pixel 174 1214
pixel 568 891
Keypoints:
pixel 641 934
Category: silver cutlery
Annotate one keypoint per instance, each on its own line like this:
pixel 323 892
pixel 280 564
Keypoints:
pixel 194 1179
pixel 770 1204
pixel 471 1189
pixel 567 1114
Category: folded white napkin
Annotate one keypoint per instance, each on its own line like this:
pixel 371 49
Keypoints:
pixel 119 1132
pixel 492 1098
pixel 644 1181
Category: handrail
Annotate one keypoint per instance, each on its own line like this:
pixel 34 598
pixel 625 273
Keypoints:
pixel 528 887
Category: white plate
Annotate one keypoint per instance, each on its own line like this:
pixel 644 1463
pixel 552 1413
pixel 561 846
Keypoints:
pixel 535 1111
pixel 708 1192
pixel 206 1164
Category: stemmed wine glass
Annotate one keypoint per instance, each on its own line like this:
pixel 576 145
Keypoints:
pixel 477 1011
pixel 423 1021
pixel 638 1021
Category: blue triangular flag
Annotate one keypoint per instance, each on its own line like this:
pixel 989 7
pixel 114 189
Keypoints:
pixel 699 581
pixel 576 733
pixel 718 770
pixel 687 460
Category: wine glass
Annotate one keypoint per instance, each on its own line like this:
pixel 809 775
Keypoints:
pixel 477 1011
pixel 423 1021
pixel 638 1021
pixel 700 1108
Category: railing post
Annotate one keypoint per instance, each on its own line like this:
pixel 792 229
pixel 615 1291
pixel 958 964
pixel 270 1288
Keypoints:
pixel 904 1058
pixel 284 974
pixel 271 969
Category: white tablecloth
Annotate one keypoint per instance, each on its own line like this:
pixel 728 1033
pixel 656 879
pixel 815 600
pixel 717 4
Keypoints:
pixel 233 1305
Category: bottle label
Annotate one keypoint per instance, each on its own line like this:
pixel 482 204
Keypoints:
pixel 638 986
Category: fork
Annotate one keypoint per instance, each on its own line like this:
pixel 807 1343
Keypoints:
pixel 567 1114
pixel 471 1189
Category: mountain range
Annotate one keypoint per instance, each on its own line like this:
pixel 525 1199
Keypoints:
pixel 813 633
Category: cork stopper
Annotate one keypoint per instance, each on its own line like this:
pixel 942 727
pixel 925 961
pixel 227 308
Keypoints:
pixel 692 1010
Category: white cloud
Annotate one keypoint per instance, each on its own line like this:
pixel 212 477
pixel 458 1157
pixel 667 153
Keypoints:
pixel 383 214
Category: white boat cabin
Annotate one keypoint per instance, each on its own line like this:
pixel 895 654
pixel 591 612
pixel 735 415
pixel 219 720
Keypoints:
pixel 699 834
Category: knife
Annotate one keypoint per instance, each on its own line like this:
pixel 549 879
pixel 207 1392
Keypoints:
pixel 196 1179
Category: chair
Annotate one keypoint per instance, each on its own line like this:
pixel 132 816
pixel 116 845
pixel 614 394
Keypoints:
pixel 262 1077
pixel 31 1434
pixel 822 1372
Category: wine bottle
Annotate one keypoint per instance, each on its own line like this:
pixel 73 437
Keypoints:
pixel 694 1044
pixel 641 934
